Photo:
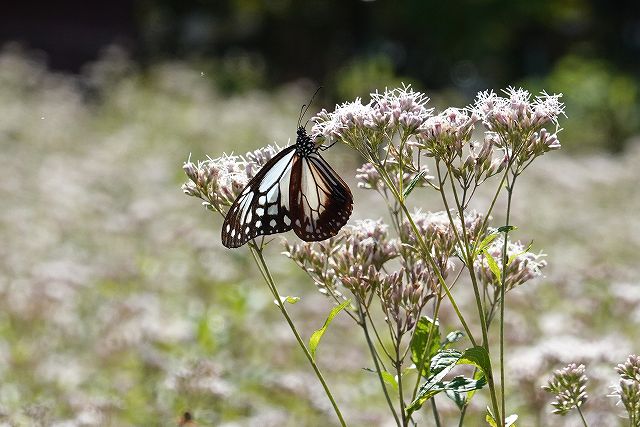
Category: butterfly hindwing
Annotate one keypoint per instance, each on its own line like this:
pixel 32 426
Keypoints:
pixel 263 206
pixel 320 201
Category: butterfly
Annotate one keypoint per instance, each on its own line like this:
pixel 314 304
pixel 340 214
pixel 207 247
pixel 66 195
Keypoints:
pixel 296 189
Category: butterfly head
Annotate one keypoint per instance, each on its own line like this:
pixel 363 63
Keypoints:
pixel 304 144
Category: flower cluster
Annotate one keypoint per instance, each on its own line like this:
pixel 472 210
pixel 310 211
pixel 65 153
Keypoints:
pixel 403 295
pixel 356 260
pixel 369 177
pixel 628 389
pixel 517 113
pixel 518 121
pixel 444 136
pixel 522 265
pixel 218 182
pixel 569 386
pixel 439 235
pixel 353 259
pixel 400 109
pixel 480 164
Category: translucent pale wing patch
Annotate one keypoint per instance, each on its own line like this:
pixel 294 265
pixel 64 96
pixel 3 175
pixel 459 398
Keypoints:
pixel 263 206
pixel 320 201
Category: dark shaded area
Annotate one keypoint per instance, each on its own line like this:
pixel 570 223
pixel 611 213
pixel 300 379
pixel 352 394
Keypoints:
pixel 71 33
pixel 440 43
pixel 587 49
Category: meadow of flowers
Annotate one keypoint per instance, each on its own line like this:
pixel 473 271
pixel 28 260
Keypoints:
pixel 120 306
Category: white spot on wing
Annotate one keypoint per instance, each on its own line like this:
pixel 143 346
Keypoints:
pixel 276 171
pixel 273 210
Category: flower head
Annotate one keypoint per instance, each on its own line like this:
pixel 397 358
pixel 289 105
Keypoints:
pixel 444 136
pixel 522 265
pixel 353 259
pixel 401 107
pixel 218 182
pixel 569 386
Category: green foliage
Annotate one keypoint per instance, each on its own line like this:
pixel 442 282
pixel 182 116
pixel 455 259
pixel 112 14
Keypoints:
pixel 314 341
pixel 602 102
pixel 441 364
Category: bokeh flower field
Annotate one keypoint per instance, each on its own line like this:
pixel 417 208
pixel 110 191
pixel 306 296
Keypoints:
pixel 120 306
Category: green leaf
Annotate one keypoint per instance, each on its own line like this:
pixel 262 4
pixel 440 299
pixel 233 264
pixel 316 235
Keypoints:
pixel 478 357
pixel 441 364
pixel 514 256
pixel 317 335
pixel 389 379
pixel 507 228
pixel 457 388
pixel 413 183
pixel 418 344
pixel 484 244
pixel 493 266
pixel 490 419
pixel 289 299
pixel 510 421
pixel 478 375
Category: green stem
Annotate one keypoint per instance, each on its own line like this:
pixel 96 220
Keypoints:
pixel 264 269
pixel 468 253
pixel 502 294
pixel 374 356
pixel 462 414
pixel 424 250
pixel 584 421
pixel 398 366
pixel 427 347
pixel 436 416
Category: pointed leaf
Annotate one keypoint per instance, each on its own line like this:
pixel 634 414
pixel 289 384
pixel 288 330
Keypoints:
pixel 457 388
pixel 288 299
pixel 413 183
pixel 441 364
pixel 493 266
pixel 514 256
pixel 477 356
pixel 317 335
pixel 424 327
pixel 484 244
pixel 389 379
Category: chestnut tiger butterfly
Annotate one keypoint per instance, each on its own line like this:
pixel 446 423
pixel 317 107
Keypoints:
pixel 296 189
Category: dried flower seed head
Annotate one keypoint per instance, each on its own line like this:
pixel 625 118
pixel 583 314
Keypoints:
pixel 569 387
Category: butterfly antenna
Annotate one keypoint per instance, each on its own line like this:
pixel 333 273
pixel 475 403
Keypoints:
pixel 302 112
pixel 306 107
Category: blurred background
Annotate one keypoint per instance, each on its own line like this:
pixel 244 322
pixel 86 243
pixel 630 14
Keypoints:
pixel 118 304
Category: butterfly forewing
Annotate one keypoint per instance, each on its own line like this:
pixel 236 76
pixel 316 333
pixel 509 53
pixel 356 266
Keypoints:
pixel 320 201
pixel 263 206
